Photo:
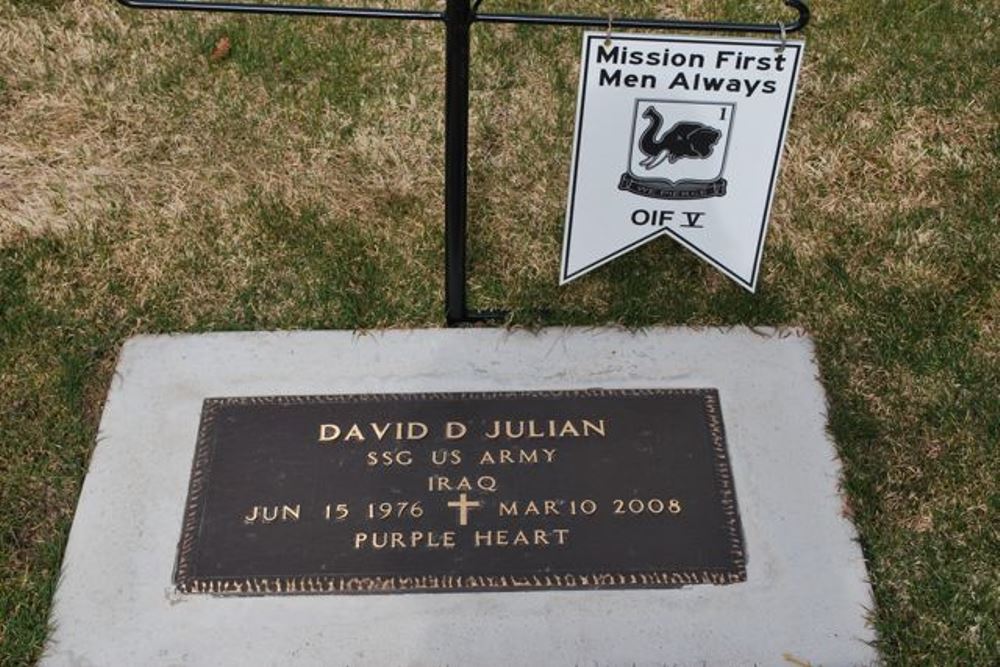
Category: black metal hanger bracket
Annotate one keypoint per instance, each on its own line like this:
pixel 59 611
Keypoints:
pixel 458 17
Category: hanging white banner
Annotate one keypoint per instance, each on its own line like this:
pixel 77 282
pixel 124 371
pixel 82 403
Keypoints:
pixel 682 137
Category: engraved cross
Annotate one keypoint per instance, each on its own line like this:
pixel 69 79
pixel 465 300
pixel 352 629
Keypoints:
pixel 463 505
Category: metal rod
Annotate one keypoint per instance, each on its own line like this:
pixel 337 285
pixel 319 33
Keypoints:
pixel 656 24
pixel 528 19
pixel 286 10
pixel 652 24
pixel 458 19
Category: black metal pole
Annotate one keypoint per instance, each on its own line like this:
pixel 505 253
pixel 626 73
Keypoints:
pixel 285 10
pixel 529 19
pixel 655 24
pixel 458 19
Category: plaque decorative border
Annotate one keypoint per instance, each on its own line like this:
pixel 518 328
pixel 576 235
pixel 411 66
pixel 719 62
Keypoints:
pixel 188 583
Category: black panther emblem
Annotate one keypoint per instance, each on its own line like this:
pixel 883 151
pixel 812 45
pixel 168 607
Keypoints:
pixel 685 139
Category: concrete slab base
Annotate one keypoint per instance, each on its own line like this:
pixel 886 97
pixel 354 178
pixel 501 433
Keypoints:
pixel 806 597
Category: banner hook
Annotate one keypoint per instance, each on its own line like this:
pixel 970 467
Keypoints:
pixel 784 38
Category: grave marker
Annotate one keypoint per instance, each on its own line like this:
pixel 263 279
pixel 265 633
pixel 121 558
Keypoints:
pixel 460 492
pixel 805 591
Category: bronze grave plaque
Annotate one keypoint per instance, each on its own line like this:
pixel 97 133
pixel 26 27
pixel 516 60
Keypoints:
pixel 460 492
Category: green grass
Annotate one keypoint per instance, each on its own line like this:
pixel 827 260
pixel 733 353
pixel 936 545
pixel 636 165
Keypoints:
pixel 296 184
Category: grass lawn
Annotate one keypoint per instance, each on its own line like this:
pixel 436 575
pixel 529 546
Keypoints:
pixel 295 183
